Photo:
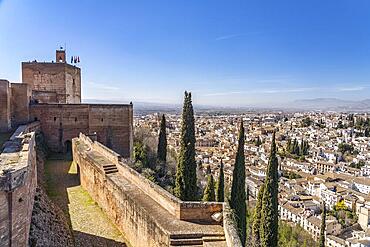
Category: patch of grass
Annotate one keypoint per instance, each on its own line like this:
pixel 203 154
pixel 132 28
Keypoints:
pixel 84 214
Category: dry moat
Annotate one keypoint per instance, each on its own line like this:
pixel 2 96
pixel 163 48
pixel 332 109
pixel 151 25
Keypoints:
pixel 90 225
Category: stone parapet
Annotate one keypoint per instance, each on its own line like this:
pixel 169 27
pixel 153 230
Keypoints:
pixel 231 231
pixel 18 181
pixel 146 214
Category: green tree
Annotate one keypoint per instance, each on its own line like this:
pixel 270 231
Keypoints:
pixel 256 223
pixel 258 142
pixel 220 196
pixel 186 177
pixel 238 195
pixel 345 148
pixel 301 149
pixel 141 153
pixel 306 122
pixel 209 192
pixel 323 225
pixel 162 141
pixel 289 146
pixel 269 212
pixel 367 132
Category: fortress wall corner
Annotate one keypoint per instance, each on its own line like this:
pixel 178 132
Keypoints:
pixel 113 125
pixel 132 219
pixel 127 197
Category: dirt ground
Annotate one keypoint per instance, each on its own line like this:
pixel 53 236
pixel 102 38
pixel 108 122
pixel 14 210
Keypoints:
pixel 90 225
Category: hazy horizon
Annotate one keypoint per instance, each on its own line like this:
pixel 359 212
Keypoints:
pixel 233 53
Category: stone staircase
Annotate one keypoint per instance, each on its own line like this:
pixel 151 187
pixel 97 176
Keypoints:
pixel 197 240
pixel 110 168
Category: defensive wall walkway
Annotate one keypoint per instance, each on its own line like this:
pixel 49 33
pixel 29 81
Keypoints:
pixel 144 212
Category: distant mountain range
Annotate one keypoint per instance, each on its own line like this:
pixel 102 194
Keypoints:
pixel 332 104
pixel 323 104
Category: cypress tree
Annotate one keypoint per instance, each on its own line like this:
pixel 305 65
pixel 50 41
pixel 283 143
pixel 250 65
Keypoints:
pixel 162 141
pixel 323 226
pixel 238 195
pixel 296 147
pixel 209 192
pixel 186 176
pixel 256 225
pixel 367 132
pixel 302 152
pixel 289 146
pixel 208 170
pixel 220 196
pixel 269 212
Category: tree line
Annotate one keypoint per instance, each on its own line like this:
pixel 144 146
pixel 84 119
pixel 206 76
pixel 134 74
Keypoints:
pixel 296 148
pixel 264 226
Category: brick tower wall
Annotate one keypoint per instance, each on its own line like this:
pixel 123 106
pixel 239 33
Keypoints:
pixel 21 96
pixel 53 82
pixel 61 123
pixel 5 95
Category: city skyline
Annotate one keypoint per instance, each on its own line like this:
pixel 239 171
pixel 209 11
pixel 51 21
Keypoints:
pixel 235 54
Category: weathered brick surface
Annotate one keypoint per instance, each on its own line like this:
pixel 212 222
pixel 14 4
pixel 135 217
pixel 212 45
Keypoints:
pixel 53 81
pixel 5 95
pixel 21 96
pixel 145 213
pixel 63 122
pixel 18 181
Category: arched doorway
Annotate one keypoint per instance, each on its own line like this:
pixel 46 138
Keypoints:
pixel 68 149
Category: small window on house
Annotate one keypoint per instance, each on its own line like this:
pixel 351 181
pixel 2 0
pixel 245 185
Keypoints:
pixel 75 119
pixel 36 119
pixel 20 199
pixel 102 120
pixel 55 119
pixel 74 82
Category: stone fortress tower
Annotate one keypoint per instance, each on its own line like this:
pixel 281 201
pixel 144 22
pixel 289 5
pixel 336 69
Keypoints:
pixel 48 101
pixel 50 93
pixel 57 82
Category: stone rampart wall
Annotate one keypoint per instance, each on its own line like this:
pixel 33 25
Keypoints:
pixel 5 96
pixel 21 96
pixel 231 231
pixel 18 181
pixel 128 213
pixel 133 220
pixel 61 123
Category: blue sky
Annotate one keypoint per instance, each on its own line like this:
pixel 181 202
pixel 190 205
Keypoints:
pixel 226 52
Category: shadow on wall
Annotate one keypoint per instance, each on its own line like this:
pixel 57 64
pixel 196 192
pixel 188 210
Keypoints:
pixel 68 150
pixel 58 180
